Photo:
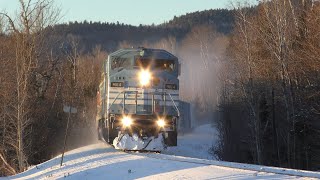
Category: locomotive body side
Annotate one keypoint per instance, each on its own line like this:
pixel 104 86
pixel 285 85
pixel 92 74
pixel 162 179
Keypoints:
pixel 140 95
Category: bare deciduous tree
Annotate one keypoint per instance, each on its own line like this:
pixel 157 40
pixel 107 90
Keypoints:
pixel 27 34
pixel 273 65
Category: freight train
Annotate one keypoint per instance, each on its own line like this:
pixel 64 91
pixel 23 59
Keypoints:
pixel 139 94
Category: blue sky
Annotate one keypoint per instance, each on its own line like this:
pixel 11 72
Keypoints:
pixel 133 12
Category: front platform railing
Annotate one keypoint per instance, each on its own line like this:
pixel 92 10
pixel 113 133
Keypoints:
pixel 125 92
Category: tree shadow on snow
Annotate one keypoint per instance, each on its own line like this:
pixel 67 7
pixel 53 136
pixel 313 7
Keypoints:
pixel 50 164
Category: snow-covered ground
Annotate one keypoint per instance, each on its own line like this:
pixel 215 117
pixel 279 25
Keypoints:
pixel 101 161
pixel 196 144
pixel 189 160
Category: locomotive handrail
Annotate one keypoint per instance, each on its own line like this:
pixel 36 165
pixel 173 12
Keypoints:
pixel 176 108
pixel 118 96
pixel 114 100
pixel 174 105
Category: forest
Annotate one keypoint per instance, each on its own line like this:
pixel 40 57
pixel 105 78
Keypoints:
pixel 270 93
pixel 259 79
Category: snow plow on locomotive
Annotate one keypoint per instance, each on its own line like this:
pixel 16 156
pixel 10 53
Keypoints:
pixel 139 95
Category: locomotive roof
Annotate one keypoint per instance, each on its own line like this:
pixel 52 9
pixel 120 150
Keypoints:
pixel 144 53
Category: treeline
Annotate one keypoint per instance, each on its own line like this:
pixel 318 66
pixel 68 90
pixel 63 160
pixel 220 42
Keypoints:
pixel 259 66
pixel 41 76
pixel 269 107
pixel 50 70
pixel 110 35
pixel 221 19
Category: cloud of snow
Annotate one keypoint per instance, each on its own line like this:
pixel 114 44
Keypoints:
pixel 201 63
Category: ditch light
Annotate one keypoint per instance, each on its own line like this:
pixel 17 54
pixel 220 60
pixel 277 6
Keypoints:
pixel 126 121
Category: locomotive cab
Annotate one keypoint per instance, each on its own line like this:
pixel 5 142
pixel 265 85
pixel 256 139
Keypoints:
pixel 140 95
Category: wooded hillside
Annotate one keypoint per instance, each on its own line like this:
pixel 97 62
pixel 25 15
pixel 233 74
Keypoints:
pixel 254 71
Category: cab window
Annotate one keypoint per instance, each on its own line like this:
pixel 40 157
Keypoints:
pixel 158 64
pixel 167 65
pixel 143 63
pixel 119 62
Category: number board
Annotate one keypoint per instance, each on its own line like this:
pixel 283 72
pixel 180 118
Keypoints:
pixel 117 84
pixel 171 86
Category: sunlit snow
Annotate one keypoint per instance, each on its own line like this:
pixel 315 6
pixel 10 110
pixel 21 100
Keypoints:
pixel 102 161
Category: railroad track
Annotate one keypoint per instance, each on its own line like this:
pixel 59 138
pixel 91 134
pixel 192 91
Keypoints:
pixel 141 151
pixel 233 165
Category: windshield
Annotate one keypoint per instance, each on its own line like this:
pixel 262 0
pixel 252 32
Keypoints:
pixel 158 64
pixel 119 62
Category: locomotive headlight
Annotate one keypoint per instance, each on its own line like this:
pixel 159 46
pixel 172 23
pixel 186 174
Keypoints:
pixel 144 77
pixel 161 123
pixel 126 121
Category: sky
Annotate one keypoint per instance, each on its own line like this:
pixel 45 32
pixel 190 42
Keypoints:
pixel 133 12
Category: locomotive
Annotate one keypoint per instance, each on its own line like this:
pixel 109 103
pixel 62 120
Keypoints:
pixel 139 94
